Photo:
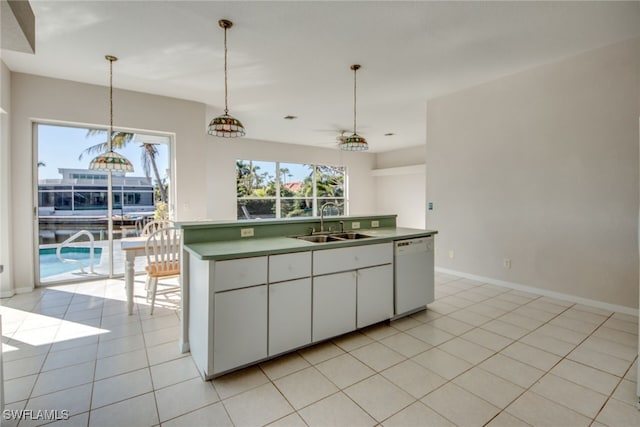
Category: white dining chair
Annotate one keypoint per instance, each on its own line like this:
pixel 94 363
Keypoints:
pixel 162 248
pixel 155 225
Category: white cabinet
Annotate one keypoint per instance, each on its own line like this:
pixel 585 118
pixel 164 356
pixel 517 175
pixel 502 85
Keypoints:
pixel 351 258
pixel 346 281
pixel 289 315
pixel 289 266
pixel 334 305
pixel 239 273
pixel 289 301
pixel 240 308
pixel 239 327
pixel 374 295
pixel 245 310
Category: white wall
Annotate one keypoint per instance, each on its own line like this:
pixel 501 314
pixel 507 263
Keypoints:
pixel 204 167
pixel 542 167
pixel 6 278
pixel 401 189
pixel 402 157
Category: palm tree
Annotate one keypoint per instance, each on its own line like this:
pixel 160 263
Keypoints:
pixel 284 174
pixel 148 158
pixel 120 140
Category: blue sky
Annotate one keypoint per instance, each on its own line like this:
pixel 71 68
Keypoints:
pixel 298 171
pixel 60 146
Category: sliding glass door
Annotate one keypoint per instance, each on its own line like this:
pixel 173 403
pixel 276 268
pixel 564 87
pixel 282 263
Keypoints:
pixel 72 235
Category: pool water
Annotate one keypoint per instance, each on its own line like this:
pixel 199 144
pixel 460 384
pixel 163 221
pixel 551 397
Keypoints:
pixel 50 265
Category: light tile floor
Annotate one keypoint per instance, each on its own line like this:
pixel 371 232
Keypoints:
pixel 480 355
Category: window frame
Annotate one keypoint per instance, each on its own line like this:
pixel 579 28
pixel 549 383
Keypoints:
pixel 278 198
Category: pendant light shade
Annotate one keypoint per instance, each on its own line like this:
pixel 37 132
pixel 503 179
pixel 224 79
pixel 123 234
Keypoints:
pixel 110 160
pixel 354 142
pixel 226 126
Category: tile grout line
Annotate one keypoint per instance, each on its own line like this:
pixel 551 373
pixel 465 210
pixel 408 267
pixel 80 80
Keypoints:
pixel 518 340
pixel 556 364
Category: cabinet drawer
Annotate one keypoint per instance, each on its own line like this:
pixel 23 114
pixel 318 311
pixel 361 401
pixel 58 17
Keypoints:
pixel 239 273
pixel 345 259
pixel 289 266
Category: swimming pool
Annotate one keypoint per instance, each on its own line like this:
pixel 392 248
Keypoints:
pixel 50 265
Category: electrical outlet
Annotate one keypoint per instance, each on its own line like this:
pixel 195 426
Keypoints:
pixel 246 232
pixel 506 263
pixel 355 225
pixel 375 223
pixel 452 254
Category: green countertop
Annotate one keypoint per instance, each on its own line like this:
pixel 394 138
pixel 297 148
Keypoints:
pixel 259 246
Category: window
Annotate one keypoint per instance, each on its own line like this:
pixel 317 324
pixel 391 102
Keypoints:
pixel 72 197
pixel 286 190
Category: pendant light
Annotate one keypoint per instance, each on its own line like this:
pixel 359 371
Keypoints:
pixel 225 125
pixel 110 160
pixel 354 142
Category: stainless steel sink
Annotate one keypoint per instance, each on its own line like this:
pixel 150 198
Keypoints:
pixel 349 235
pixel 317 238
pixel 336 237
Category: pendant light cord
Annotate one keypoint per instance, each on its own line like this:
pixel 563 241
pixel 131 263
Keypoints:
pixel 110 104
pixel 226 109
pixel 355 70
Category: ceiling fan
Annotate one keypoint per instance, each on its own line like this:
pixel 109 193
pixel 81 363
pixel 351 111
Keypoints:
pixel 341 135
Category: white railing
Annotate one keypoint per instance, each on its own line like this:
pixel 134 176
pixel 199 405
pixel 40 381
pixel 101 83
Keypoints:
pixel 68 260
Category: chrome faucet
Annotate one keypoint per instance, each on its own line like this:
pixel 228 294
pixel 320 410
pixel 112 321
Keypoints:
pixel 322 214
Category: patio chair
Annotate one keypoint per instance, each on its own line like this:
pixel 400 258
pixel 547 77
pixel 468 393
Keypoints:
pixel 163 259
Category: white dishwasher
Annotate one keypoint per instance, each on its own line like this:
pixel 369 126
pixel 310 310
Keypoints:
pixel 413 274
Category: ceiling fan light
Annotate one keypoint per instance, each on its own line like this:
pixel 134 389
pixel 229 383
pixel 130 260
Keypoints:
pixel 354 143
pixel 226 126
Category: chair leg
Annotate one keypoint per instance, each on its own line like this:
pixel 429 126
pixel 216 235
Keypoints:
pixel 147 283
pixel 154 287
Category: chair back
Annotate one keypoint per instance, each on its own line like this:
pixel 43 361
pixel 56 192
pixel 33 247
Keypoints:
pixel 163 252
pixel 155 225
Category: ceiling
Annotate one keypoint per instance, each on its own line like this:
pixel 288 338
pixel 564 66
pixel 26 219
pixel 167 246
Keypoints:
pixel 294 58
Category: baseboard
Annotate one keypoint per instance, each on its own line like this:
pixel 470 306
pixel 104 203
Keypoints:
pixel 7 294
pixel 11 292
pixel 543 292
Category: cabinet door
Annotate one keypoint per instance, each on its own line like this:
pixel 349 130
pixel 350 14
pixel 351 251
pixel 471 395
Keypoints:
pixel 334 305
pixel 289 315
pixel 375 295
pixel 240 327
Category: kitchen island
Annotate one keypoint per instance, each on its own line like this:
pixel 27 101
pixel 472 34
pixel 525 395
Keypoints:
pixel 284 286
